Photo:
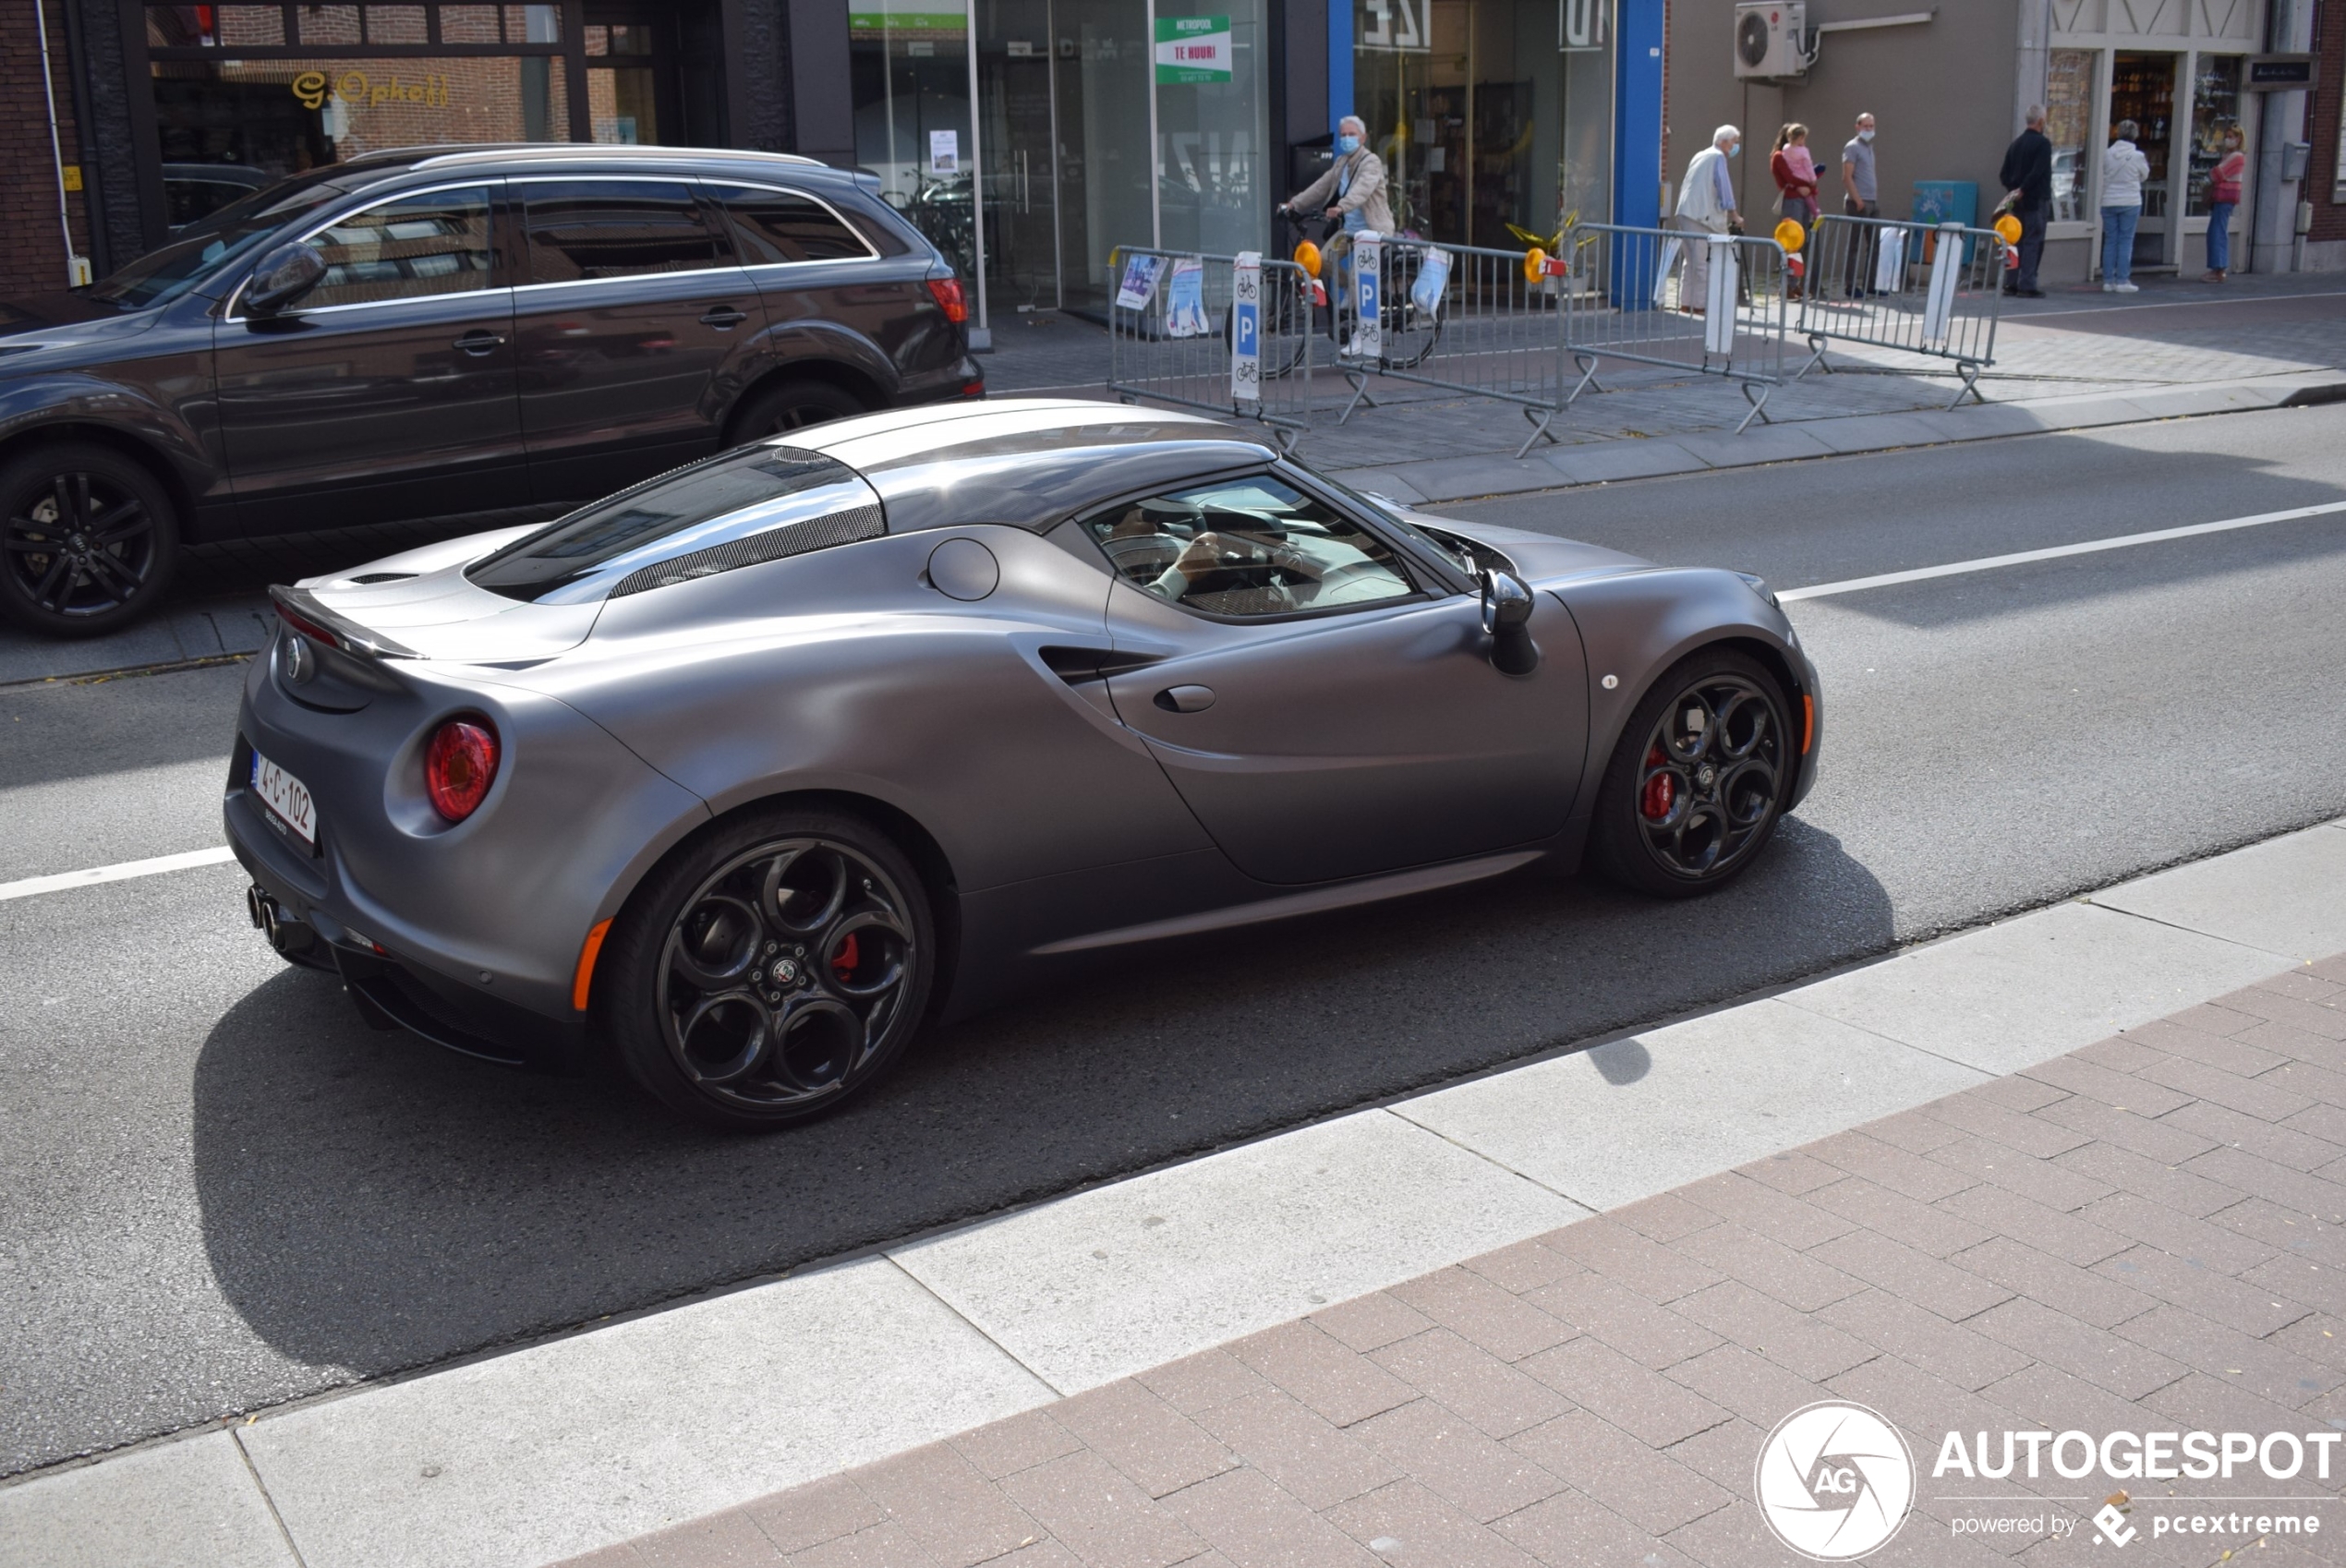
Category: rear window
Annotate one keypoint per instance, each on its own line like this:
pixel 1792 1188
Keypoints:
pixel 744 507
pixel 783 225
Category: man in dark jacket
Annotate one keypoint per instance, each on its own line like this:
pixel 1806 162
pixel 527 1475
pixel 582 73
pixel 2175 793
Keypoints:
pixel 2028 182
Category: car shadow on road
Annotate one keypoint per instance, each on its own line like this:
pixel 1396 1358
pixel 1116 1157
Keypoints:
pixel 372 1203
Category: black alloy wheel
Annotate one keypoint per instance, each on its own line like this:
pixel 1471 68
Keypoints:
pixel 792 406
pixel 770 970
pixel 1697 783
pixel 88 539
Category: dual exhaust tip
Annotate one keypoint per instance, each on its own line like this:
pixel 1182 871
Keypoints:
pixel 285 934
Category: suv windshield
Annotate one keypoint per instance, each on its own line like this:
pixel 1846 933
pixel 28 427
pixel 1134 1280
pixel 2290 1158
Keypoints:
pixel 231 233
pixel 755 504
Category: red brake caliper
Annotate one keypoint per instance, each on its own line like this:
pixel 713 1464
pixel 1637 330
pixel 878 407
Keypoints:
pixel 843 965
pixel 1661 791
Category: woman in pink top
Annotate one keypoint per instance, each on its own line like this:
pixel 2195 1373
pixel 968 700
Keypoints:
pixel 2223 195
pixel 1796 174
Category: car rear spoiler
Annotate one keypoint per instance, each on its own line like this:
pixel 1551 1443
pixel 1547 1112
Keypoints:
pixel 300 609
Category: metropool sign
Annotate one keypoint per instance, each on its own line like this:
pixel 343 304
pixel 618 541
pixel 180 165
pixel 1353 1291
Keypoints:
pixel 1192 50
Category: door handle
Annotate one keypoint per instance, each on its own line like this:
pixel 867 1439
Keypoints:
pixel 724 317
pixel 479 343
pixel 1185 699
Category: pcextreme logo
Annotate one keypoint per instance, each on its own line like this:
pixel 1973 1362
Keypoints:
pixel 1834 1481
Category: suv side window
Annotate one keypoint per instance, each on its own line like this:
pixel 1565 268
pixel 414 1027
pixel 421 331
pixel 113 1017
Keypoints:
pixel 777 226
pixel 1248 547
pixel 407 248
pixel 611 228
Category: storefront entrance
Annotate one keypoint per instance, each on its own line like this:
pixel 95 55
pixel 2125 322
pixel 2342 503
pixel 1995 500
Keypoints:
pixel 1029 194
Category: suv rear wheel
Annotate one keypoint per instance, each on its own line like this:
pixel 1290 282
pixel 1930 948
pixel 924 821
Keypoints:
pixel 791 406
pixel 88 539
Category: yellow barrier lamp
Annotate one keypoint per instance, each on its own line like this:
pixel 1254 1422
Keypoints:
pixel 2008 229
pixel 1791 236
pixel 1535 261
pixel 1307 256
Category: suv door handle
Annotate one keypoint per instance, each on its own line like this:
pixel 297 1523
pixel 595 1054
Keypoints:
pixel 481 341
pixel 724 317
pixel 1185 699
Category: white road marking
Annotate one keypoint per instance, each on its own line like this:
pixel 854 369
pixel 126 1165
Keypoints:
pixel 2088 547
pixel 124 871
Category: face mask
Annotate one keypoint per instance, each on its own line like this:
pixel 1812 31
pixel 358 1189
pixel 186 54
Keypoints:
pixel 1736 150
pixel 1865 136
pixel 1347 145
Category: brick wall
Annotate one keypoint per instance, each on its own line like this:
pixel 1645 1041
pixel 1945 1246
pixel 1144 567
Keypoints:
pixel 32 253
pixel 2322 172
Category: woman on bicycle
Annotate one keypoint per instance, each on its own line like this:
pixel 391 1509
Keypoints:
pixel 1352 192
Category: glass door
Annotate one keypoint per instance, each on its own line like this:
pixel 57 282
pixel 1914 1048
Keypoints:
pixel 1102 61
pixel 908 62
pixel 2142 88
pixel 1017 66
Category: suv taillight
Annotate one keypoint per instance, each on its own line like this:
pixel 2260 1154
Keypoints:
pixel 949 298
pixel 459 766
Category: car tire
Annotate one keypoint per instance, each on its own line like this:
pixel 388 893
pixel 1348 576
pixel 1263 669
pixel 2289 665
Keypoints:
pixel 69 581
pixel 768 969
pixel 1687 803
pixel 791 406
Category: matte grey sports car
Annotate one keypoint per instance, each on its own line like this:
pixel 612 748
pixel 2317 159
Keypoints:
pixel 746 772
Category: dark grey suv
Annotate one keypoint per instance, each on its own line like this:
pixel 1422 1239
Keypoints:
pixel 489 334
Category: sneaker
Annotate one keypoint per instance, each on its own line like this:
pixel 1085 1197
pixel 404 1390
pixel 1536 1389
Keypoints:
pixel 2110 288
pixel 2125 288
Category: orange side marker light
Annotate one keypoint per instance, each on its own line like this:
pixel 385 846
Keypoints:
pixel 1807 737
pixel 593 949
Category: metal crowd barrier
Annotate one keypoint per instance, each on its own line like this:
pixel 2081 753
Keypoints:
pixel 1457 317
pixel 1683 299
pixel 1922 288
pixel 1227 334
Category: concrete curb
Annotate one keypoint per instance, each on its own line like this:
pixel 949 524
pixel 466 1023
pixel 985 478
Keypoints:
pixel 611 1433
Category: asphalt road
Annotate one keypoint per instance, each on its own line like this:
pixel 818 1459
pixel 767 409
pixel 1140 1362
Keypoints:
pixel 218 1190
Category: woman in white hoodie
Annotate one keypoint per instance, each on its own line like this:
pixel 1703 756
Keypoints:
pixel 2123 169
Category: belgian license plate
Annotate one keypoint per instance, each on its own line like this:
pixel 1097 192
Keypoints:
pixel 287 799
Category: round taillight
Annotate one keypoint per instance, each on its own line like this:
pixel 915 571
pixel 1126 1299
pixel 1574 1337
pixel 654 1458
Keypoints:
pixel 459 766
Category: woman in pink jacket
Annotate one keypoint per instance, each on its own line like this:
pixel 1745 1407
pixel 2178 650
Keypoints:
pixel 2223 195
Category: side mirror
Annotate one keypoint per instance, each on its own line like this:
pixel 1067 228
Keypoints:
pixel 1506 617
pixel 284 276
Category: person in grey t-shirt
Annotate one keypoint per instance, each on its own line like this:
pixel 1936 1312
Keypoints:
pixel 1860 197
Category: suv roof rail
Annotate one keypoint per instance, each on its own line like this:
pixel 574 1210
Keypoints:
pixel 441 159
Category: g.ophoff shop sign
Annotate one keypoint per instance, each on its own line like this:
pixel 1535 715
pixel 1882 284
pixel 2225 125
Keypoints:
pixel 359 90
pixel 1835 1482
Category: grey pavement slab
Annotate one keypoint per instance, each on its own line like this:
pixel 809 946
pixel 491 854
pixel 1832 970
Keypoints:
pixel 2021 991
pixel 198 630
pixel 2285 896
pixel 570 1445
pixel 1875 432
pixel 1602 462
pixel 191 1503
pixel 1095 1286
pixel 1610 1126
pixel 1454 478
pixel 1759 443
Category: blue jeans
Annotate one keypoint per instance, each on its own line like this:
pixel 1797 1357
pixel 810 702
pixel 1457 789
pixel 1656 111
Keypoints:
pixel 2220 236
pixel 2118 243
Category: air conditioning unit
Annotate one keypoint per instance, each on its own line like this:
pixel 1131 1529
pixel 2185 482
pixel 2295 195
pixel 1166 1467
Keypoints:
pixel 1771 39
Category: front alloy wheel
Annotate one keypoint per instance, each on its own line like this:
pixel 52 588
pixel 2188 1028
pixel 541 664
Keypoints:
pixel 790 968
pixel 1699 781
pixel 88 539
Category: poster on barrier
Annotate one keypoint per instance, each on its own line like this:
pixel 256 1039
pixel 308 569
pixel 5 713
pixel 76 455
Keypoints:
pixel 1938 304
pixel 1138 285
pixel 1185 299
pixel 1661 273
pixel 1889 262
pixel 1368 290
pixel 1433 278
pixel 1719 303
pixel 1246 326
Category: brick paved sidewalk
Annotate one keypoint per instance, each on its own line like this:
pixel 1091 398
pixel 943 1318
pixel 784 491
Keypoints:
pixel 2141 1234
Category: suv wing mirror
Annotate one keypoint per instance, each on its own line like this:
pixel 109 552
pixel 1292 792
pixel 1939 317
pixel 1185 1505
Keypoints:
pixel 284 275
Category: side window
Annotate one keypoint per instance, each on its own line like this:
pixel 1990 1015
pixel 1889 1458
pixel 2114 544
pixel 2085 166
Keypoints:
pixel 617 229
pixel 782 225
pixel 405 249
pixel 1247 547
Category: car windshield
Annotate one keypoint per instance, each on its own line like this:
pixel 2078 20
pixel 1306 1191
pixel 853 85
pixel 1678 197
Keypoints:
pixel 737 509
pixel 230 233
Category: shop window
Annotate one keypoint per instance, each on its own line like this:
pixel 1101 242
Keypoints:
pixel 621 106
pixel 777 226
pixel 2142 88
pixel 533 24
pixel 411 248
pixel 2069 115
pixel 581 229
pixel 2215 123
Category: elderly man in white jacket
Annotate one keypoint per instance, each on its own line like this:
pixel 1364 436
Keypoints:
pixel 1706 206
pixel 2123 169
